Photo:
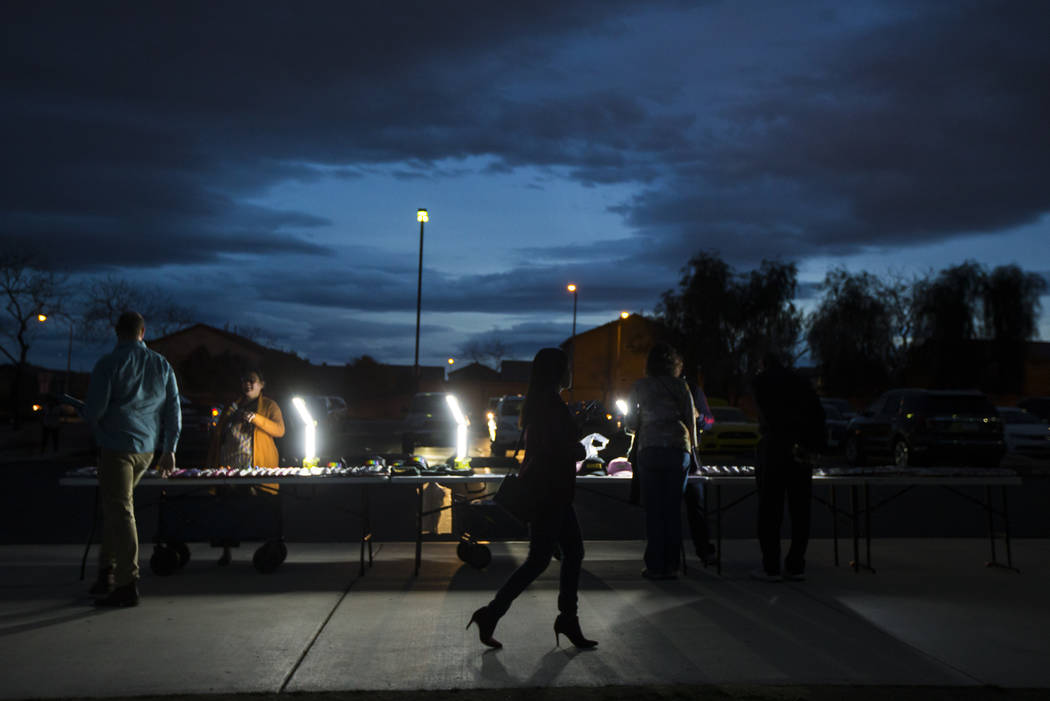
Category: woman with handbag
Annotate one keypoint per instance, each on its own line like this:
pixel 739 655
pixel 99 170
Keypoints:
pixel 548 478
pixel 663 425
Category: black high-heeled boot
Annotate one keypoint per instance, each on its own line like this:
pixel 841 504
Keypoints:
pixel 485 620
pixel 569 626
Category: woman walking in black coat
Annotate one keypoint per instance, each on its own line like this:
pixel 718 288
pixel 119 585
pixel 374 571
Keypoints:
pixel 552 447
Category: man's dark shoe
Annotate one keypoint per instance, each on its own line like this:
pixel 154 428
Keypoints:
pixel 127 595
pixel 794 576
pixel 103 585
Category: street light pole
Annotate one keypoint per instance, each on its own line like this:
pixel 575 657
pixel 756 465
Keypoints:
pixel 422 217
pixel 572 358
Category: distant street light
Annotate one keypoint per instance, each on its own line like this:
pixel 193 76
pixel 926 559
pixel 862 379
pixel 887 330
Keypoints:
pixel 69 353
pixel 571 287
pixel 422 217
pixel 619 371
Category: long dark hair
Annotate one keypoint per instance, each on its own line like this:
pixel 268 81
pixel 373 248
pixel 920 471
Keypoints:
pixel 548 370
pixel 664 360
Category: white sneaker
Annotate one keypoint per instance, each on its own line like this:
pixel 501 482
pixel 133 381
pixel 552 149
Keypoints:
pixel 762 576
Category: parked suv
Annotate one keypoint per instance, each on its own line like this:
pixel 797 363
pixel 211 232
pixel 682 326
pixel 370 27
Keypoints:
pixel 909 427
pixel 505 415
pixel 429 422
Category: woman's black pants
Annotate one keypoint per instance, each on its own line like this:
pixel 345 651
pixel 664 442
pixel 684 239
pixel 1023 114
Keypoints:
pixel 551 525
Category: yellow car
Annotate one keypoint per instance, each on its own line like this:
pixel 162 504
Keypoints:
pixel 732 432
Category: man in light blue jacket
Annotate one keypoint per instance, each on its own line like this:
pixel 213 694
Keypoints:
pixel 133 410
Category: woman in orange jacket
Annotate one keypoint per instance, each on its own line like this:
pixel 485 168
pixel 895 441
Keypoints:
pixel 244 435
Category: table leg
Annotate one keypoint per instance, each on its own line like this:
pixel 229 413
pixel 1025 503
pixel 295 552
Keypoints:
pixel 419 527
pixel 834 523
pixel 855 521
pixel 867 526
pixel 718 527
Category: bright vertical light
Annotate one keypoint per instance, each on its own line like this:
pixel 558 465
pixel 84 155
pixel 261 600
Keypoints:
pixel 461 426
pixel 309 429
pixel 621 406
pixel 422 215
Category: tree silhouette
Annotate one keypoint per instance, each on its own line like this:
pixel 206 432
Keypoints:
pixel 728 320
pixel 855 334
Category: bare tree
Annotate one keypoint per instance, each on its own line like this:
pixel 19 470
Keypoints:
pixel 28 290
pixel 480 350
pixel 108 298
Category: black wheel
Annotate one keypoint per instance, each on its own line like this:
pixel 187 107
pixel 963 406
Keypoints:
pixel 164 561
pixel 463 551
pixel 901 453
pixel 480 556
pixel 853 454
pixel 269 556
pixel 182 551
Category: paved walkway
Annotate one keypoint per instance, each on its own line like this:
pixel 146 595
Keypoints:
pixel 933 616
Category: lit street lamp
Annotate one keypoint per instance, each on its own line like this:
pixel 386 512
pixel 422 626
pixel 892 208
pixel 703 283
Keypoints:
pixel 571 287
pixel 422 217
pixel 42 318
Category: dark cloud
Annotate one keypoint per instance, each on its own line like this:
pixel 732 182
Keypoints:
pixel 911 132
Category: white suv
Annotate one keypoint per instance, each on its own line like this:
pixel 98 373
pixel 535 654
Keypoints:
pixel 506 414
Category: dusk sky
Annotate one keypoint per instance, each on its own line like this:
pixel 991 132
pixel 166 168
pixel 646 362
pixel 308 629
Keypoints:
pixel 263 161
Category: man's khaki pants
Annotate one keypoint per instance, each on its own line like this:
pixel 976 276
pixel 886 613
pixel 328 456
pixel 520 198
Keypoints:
pixel 118 473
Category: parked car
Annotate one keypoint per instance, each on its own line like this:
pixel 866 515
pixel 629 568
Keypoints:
pixel 731 432
pixel 1025 434
pixel 505 414
pixel 840 406
pixel 836 425
pixel 429 422
pixel 909 427
pixel 1037 406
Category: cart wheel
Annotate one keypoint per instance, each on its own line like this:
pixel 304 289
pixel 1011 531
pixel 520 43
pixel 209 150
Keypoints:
pixel 480 556
pixel 164 560
pixel 463 551
pixel 269 556
pixel 182 551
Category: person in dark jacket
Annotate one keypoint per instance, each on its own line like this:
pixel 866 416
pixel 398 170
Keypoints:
pixel 791 420
pixel 548 474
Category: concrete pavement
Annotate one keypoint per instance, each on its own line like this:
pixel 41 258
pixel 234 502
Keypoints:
pixel 933 617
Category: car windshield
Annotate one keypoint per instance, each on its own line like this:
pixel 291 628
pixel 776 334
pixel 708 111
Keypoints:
pixel 511 407
pixel 1018 417
pixel 962 404
pixel 429 404
pixel 728 414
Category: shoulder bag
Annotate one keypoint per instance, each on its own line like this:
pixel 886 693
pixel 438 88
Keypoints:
pixel 513 494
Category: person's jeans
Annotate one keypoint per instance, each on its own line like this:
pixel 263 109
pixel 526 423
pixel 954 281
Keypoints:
pixel 779 476
pixel 118 473
pixel 550 526
pixel 663 473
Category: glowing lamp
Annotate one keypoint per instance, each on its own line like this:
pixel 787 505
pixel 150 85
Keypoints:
pixel 624 315
pixel 422 216
pixel 451 361
pixel 309 431
pixel 41 318
pixel 461 426
pixel 621 406
pixel 571 287
pixel 36 407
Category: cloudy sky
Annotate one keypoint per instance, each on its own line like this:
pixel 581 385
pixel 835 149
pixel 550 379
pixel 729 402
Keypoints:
pixel 263 161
